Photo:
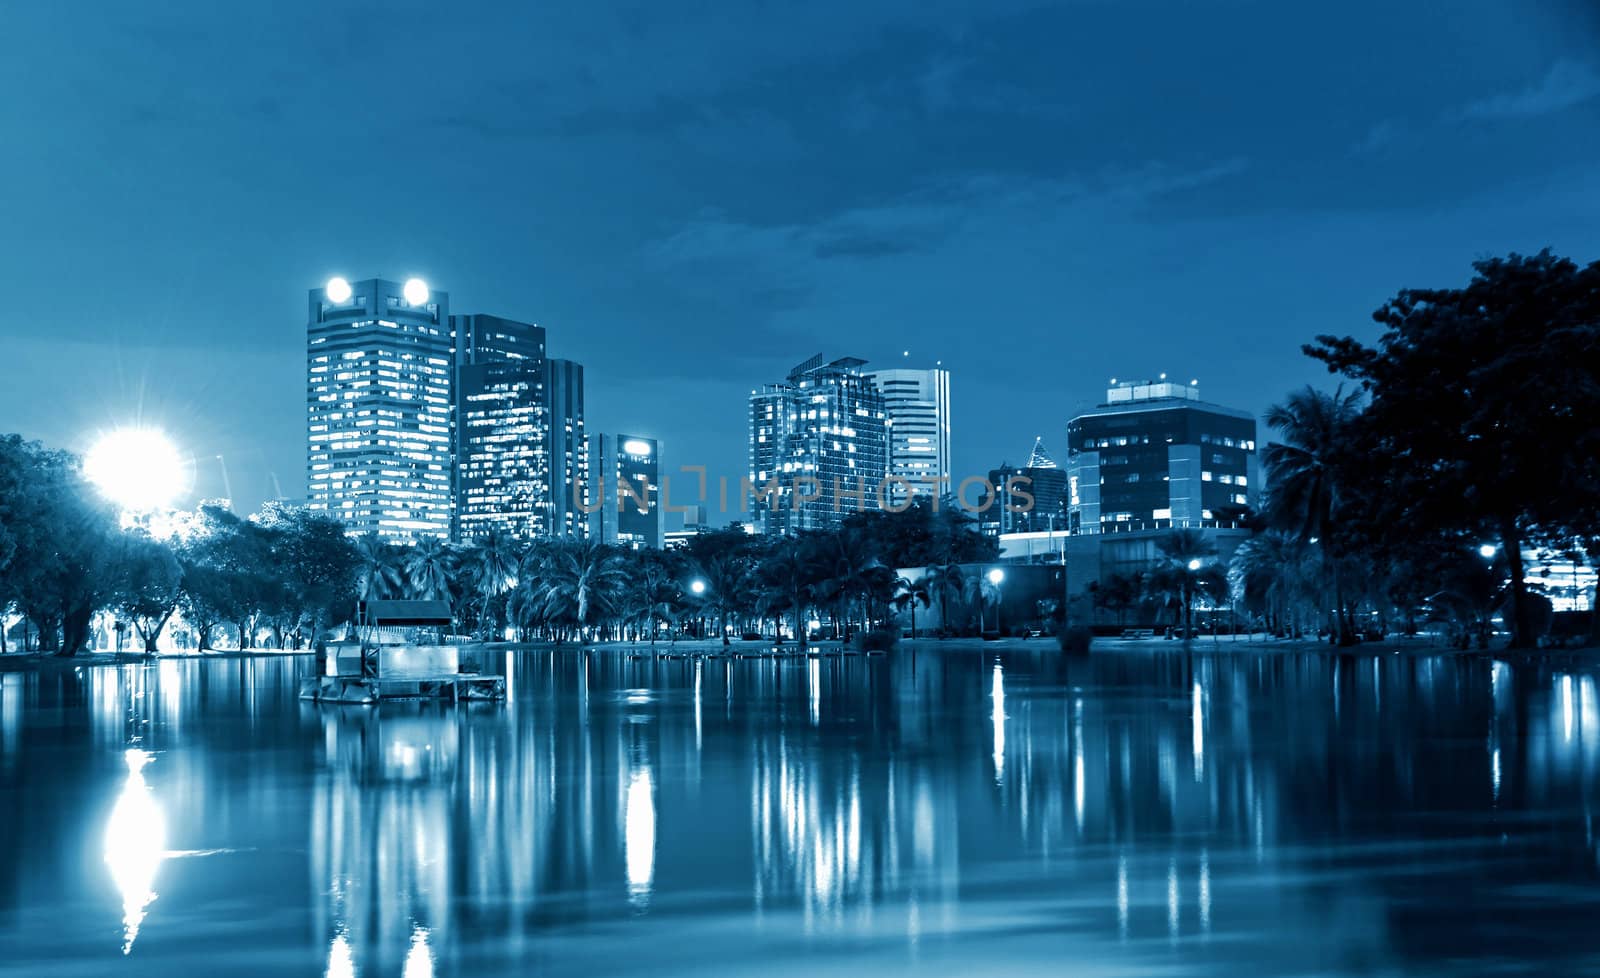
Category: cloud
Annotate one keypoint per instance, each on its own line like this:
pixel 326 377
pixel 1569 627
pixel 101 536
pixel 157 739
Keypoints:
pixel 1567 84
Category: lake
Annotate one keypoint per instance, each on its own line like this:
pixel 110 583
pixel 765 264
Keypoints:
pixel 952 810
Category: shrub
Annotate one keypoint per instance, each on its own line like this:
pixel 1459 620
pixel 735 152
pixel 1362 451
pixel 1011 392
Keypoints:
pixel 1074 639
pixel 877 640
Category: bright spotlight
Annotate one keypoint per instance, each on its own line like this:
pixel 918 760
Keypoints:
pixel 338 291
pixel 139 469
pixel 697 586
pixel 996 575
pixel 416 292
pixel 1487 550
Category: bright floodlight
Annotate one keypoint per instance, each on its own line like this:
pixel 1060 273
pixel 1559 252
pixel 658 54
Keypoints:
pixel 139 469
pixel 338 291
pixel 416 292
pixel 996 575
pixel 697 586
pixel 1194 564
pixel 1487 550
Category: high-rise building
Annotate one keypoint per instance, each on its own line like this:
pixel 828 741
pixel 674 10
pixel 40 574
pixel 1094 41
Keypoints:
pixel 819 446
pixel 627 473
pixel 1154 455
pixel 502 428
pixel 918 406
pixel 379 364
pixel 569 450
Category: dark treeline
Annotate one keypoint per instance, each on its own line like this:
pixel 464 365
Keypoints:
pixel 1462 439
pixel 283 576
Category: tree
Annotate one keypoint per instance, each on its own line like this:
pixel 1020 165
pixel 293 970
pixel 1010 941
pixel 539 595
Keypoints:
pixel 908 593
pixel 146 585
pixel 1184 555
pixel 1471 388
pixel 1308 476
pixel 60 536
pixel 580 582
pixel 490 565
pixel 381 572
pixel 430 568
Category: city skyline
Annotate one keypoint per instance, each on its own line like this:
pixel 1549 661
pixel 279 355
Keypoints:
pixel 690 222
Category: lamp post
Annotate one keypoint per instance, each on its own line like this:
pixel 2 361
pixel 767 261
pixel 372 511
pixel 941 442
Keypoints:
pixel 697 587
pixel 996 575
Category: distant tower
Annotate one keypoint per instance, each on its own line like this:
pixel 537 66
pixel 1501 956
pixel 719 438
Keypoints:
pixel 378 396
pixel 630 466
pixel 502 428
pixel 569 450
pixel 917 403
pixel 825 422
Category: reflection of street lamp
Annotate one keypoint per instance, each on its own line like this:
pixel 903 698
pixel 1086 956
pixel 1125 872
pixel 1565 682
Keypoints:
pixel 996 575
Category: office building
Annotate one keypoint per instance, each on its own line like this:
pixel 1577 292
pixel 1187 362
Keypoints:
pixel 917 403
pixel 502 428
pixel 1156 456
pixel 819 446
pixel 569 450
pixel 627 470
pixel 379 365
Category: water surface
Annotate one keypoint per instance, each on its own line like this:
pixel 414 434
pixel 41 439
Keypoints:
pixel 953 811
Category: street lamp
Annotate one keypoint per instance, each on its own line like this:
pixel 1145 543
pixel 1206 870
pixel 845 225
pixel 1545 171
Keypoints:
pixel 996 575
pixel 697 586
pixel 1486 551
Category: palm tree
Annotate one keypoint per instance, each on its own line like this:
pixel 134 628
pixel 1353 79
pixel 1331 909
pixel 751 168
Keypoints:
pixel 582 581
pixel 907 593
pixel 949 582
pixel 1303 471
pixel 727 577
pixel 379 568
pixel 787 573
pixel 430 569
pixel 1275 572
pixel 652 596
pixel 490 565
pixel 1184 554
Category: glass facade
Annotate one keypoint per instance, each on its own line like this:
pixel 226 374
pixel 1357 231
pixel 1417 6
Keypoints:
pixel 378 402
pixel 569 455
pixel 629 468
pixel 502 428
pixel 917 403
pixel 827 423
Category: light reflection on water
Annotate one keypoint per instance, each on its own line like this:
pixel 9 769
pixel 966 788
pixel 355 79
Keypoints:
pixel 951 811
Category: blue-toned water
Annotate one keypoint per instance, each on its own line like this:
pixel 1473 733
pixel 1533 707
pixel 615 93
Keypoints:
pixel 951 811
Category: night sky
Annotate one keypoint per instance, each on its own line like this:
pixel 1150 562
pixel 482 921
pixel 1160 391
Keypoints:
pixel 694 197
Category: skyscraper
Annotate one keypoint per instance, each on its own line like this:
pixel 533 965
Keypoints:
pixel 1155 455
pixel 819 441
pixel 628 468
pixel 918 406
pixel 569 450
pixel 378 400
pixel 502 428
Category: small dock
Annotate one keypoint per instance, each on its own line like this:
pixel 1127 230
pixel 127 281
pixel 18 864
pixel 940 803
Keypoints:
pixel 400 654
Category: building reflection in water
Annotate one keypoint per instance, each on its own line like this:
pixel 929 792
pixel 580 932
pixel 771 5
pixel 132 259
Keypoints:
pixel 474 839
pixel 380 837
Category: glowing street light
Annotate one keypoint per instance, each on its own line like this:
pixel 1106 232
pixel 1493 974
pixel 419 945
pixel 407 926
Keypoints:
pixel 415 292
pixel 996 575
pixel 1487 551
pixel 697 586
pixel 338 291
pixel 1194 564
pixel 139 469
